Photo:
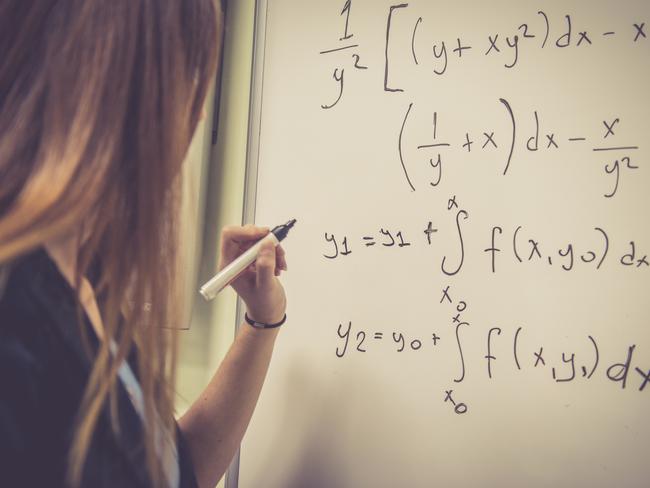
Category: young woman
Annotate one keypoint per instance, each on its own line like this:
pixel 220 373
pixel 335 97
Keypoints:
pixel 98 103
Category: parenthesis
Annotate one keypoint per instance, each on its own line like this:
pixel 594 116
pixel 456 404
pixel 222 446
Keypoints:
pixel 515 347
pixel 514 130
pixel 606 245
pixel 514 243
pixel 460 350
pixel 415 29
pixel 547 27
pixel 597 357
pixel 399 147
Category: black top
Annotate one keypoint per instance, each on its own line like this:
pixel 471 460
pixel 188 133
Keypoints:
pixel 43 373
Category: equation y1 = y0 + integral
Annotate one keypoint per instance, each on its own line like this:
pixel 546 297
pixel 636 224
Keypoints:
pixel 567 256
pixel 522 246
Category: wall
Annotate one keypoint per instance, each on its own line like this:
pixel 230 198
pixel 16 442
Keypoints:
pixel 214 198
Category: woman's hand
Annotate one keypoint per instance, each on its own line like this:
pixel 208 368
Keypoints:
pixel 258 285
pixel 215 424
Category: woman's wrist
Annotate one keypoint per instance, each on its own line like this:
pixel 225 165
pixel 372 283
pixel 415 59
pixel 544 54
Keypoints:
pixel 266 317
pixel 264 325
pixel 267 313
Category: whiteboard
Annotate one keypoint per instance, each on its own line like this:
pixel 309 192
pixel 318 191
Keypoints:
pixel 468 278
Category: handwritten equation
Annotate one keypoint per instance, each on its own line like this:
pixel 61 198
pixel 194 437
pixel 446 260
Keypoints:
pixel 565 367
pixel 520 243
pixel 429 140
pixel 540 139
pixel 616 159
pixel 437 59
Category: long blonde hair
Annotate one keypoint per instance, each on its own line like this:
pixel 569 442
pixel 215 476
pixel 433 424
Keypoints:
pixel 98 102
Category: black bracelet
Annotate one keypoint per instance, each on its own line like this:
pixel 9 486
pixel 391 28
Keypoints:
pixel 262 325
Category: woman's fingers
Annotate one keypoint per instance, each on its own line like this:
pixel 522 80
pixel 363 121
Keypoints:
pixel 280 260
pixel 266 266
pixel 258 286
pixel 235 240
pixel 243 235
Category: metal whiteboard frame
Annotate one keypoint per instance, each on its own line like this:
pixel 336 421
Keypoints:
pixel 252 164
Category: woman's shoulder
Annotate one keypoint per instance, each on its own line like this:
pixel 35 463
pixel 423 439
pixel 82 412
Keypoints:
pixel 40 343
pixel 43 371
pixel 39 380
pixel 36 307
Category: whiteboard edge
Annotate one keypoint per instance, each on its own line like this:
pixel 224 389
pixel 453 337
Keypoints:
pixel 251 171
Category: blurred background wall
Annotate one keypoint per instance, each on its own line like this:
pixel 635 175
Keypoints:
pixel 213 197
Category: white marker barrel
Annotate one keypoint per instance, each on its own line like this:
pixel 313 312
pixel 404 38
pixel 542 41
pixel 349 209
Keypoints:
pixel 228 274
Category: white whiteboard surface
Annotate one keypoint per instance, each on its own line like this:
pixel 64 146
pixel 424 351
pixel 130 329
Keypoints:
pixel 533 373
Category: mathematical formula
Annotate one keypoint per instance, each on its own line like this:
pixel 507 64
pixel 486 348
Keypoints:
pixel 538 139
pixel 616 158
pixel 521 244
pixel 429 143
pixel 565 367
pixel 437 59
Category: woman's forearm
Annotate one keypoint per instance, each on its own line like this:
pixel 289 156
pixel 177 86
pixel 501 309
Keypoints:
pixel 215 424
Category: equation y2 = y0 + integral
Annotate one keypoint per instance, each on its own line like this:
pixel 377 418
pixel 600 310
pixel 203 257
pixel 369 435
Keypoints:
pixel 562 366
